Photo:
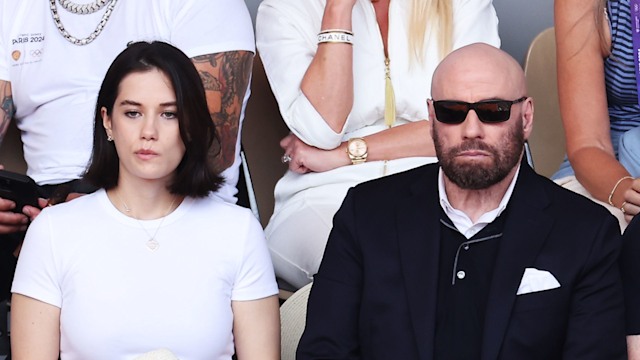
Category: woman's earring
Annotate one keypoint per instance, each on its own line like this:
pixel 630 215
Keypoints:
pixel 109 137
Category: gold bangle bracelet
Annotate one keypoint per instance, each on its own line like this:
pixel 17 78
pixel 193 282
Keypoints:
pixel 616 186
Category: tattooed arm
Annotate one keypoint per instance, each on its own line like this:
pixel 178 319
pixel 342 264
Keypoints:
pixel 225 77
pixel 9 222
pixel 7 109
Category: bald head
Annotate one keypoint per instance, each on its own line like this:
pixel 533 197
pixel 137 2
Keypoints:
pixel 478 68
pixel 474 74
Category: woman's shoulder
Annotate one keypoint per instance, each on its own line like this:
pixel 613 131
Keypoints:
pixel 84 204
pixel 224 219
pixel 213 207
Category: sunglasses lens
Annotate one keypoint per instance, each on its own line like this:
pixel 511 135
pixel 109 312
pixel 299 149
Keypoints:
pixel 450 112
pixel 493 111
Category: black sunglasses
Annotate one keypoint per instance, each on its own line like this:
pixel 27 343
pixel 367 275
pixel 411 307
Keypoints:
pixel 489 111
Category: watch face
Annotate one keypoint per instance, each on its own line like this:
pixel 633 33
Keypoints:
pixel 357 147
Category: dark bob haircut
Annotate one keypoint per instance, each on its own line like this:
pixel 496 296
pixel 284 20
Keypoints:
pixel 195 175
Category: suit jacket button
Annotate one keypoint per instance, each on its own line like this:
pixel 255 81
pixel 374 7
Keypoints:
pixel 461 274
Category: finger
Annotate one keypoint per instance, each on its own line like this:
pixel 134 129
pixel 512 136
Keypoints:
pixel 7 229
pixel 628 218
pixel 632 195
pixel 31 211
pixel 299 166
pixel 43 203
pixel 301 170
pixel 290 150
pixel 630 209
pixel 12 222
pixel 293 166
pixel 6 205
pixel 284 143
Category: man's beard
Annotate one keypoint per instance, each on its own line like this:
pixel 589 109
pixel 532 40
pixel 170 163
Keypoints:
pixel 474 175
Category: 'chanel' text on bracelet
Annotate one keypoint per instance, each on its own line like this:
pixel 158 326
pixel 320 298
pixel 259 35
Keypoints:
pixel 335 37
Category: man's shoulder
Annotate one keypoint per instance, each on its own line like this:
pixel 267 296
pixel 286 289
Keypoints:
pixel 422 176
pixel 570 205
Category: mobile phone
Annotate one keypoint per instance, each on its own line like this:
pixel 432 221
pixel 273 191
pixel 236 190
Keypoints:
pixel 19 188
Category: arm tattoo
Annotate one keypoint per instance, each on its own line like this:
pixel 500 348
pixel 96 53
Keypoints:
pixel 225 77
pixel 7 108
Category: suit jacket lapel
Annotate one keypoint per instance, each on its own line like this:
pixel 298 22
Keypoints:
pixel 418 224
pixel 526 229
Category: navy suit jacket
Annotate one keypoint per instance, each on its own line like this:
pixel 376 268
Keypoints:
pixel 375 294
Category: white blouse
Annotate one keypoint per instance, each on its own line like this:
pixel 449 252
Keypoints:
pixel 286 34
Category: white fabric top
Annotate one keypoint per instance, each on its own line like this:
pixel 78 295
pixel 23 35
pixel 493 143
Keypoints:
pixel 286 34
pixel 118 299
pixel 461 221
pixel 55 83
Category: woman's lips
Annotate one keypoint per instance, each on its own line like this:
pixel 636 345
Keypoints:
pixel 146 154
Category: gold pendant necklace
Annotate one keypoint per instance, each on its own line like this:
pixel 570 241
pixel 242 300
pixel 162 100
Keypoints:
pixel 152 244
pixel 389 96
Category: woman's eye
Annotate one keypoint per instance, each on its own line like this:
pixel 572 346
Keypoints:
pixel 169 115
pixel 132 114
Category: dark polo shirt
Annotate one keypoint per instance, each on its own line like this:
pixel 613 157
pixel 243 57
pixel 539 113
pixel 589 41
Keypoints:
pixel 464 281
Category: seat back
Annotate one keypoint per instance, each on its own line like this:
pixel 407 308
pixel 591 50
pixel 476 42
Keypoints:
pixel 262 131
pixel 11 155
pixel 547 141
pixel 293 317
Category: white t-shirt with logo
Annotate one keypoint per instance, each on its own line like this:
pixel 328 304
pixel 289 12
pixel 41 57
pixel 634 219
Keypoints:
pixel 55 83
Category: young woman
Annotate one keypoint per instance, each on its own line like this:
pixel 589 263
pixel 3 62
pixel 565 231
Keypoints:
pixel 151 260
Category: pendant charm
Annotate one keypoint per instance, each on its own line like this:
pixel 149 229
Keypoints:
pixel 153 245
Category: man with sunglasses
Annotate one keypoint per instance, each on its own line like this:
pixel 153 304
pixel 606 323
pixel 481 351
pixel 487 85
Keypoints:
pixel 476 257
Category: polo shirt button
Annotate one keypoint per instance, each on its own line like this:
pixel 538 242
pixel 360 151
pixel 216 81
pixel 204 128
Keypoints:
pixel 461 274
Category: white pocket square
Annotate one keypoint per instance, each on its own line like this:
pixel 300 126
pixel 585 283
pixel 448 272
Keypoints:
pixel 535 280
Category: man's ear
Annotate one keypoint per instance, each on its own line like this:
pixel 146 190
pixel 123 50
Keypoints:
pixel 527 117
pixel 432 113
pixel 432 116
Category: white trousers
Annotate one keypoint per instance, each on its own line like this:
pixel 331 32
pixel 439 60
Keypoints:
pixel 297 237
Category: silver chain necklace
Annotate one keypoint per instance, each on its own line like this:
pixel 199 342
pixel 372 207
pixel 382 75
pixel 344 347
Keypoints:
pixel 152 243
pixel 94 34
pixel 82 8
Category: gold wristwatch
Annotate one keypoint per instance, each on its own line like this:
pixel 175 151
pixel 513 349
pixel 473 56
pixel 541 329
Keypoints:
pixel 357 150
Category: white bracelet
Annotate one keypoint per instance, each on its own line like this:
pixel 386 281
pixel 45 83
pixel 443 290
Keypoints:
pixel 335 37
pixel 336 30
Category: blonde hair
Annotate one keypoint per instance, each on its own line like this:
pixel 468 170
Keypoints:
pixel 429 16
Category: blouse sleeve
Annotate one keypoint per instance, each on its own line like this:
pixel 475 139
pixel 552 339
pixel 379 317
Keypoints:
pixel 474 21
pixel 286 39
